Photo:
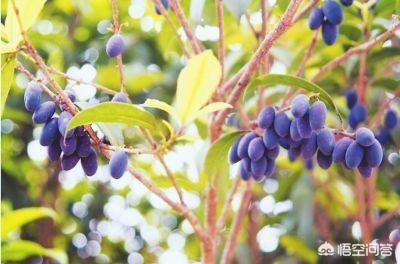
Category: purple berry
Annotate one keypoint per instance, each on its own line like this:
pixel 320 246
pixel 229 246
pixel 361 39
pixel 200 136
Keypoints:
pixel 69 162
pixel 256 149
pixel 294 153
pixel 391 119
pixel 270 167
pixel 316 18
pixel 115 45
pixel 63 121
pixel 354 155
pixel 329 32
pixel 284 142
pixel 83 148
pixel 324 161
pixel 233 152
pixel 351 98
pixel 326 141
pixel 32 96
pixel 364 169
pixel 270 138
pixel 68 145
pixel 359 112
pixel 383 135
pixel 246 163
pixel 44 112
pixel 49 132
pixel 80 131
pixel 300 105
pixel 258 167
pixel 282 124
pixel 294 131
pixel 120 97
pixel 272 153
pixel 347 2
pixel 309 146
pixel 89 163
pixel 118 164
pixel 266 117
pixel 365 137
pixel 374 154
pixel 54 151
pixel 317 115
pixel 244 173
pixel 333 12
pixel 309 163
pixel 303 126
pixel 339 152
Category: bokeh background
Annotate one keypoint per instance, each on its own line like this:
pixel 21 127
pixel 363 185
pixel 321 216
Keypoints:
pixel 103 220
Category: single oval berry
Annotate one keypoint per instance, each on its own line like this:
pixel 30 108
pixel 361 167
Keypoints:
pixel 359 112
pixel 354 155
pixel 284 142
pixel 294 153
pixel 244 173
pixel 258 167
pixel 326 141
pixel 282 124
pixel 246 163
pixel 374 154
pixel 68 162
pixel 329 32
pixel 294 131
pixel 233 152
pixel 270 138
pixel 89 163
pixel 351 98
pixel 118 164
pixel 365 170
pixel 256 149
pixel 44 112
pixel 309 163
pixel 333 12
pixel 299 106
pixel 391 119
pixel 347 2
pixel 115 45
pixel 49 132
pixel 244 144
pixel 316 18
pixel 317 115
pixel 63 121
pixel 270 167
pixel 84 147
pixel 309 146
pixel 54 151
pixel 304 127
pixel 365 137
pixel 32 96
pixel 68 145
pixel 272 153
pixel 324 161
pixel 383 135
pixel 120 97
pixel 266 117
pixel 339 151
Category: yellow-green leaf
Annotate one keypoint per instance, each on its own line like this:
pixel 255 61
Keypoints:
pixel 210 108
pixel 15 219
pixel 112 112
pixel 22 249
pixel 299 248
pixel 28 12
pixel 7 76
pixel 154 103
pixel 196 84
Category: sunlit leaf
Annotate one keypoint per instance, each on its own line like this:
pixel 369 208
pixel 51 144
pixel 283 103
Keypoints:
pixel 196 84
pixel 22 249
pixel 299 248
pixel 7 76
pixel 154 103
pixel 111 112
pixel 211 108
pixel 17 218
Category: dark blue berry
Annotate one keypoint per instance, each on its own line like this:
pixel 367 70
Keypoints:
pixel 54 151
pixel 89 163
pixel 316 18
pixel 272 153
pixel 299 106
pixel 270 167
pixel 63 121
pixel 326 141
pixel 270 138
pixel 233 152
pixel 383 135
pixel 351 98
pixel 49 132
pixel 391 119
pixel 120 97
pixel 365 169
pixel 294 131
pixel 339 152
pixel 294 153
pixel 244 144
pixel 258 167
pixel 115 45
pixel 309 163
pixel 118 164
pixel 354 155
pixel 69 162
pixel 324 161
pixel 83 148
pixel 303 126
pixel 374 154
pixel 44 112
pixel 364 137
pixel 282 124
pixel 244 173
pixel 329 32
pixel 333 12
pixel 309 146
pixel 32 96
pixel 266 117
pixel 347 2
pixel 284 142
pixel 256 149
pixel 317 115
pixel 246 163
pixel 68 145
pixel 360 113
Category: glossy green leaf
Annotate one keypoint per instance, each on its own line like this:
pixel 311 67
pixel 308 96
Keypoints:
pixel 210 108
pixel 22 249
pixel 7 77
pixel 15 219
pixel 299 248
pixel 154 103
pixel 112 112
pixel 295 82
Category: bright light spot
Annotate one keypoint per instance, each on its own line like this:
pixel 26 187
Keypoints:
pixel 79 209
pixel 356 230
pixel 103 25
pixel 87 198
pixel 121 183
pixel 93 248
pixel 79 240
pixel 187 227
pixel 131 217
pixel 267 204
pixel 256 18
pixel 393 158
pixel 268 238
pixel 278 67
pixel 7 126
pixel 37 152
pixel 397 253
pixel 182 34
pixel 236 201
pixel 282 207
pixel 235 47
pixel 45 27
pixel 137 9
pixel 171 256
pixel 135 258
pixel 21 80
pixel 147 23
pixel 86 73
pixel 69 179
pixel 271 2
pixel 91 55
pixel 270 186
pixel 207 33
pixel 150 234
pixel 176 241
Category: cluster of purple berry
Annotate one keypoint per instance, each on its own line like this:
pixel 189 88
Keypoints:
pixel 303 135
pixel 70 146
pixel 358 112
pixel 390 123
pixel 329 16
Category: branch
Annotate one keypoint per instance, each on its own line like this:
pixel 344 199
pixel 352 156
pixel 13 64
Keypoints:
pixel 305 10
pixel 386 216
pixel 382 107
pixel 221 41
pixel 355 51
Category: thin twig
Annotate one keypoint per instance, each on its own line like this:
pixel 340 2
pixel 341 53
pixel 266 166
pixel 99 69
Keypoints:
pixel 227 206
pixel 221 40
pixel 382 108
pixel 305 10
pixel 386 216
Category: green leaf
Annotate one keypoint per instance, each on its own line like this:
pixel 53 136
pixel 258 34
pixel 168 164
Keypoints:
pixel 153 103
pixel 196 84
pixel 297 247
pixel 296 82
pixel 211 108
pixel 15 219
pixel 7 77
pixel 111 112
pixel 21 249
pixel 216 161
